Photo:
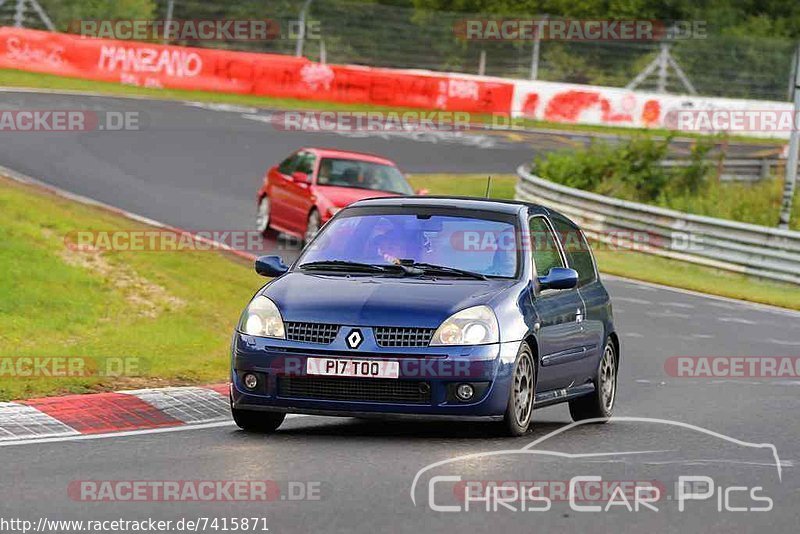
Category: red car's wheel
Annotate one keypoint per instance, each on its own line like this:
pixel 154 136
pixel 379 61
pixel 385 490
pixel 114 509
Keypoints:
pixel 263 215
pixel 312 226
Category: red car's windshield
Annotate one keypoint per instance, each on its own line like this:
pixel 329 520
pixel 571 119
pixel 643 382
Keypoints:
pixel 362 175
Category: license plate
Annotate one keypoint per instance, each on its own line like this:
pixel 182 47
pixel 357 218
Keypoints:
pixel 354 368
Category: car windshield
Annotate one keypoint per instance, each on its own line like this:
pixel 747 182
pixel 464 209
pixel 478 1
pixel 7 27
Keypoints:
pixel 474 244
pixel 362 175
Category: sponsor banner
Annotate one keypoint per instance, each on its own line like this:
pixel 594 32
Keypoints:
pixel 609 106
pixel 175 67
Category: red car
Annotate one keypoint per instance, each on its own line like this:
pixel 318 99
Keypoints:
pixel 306 189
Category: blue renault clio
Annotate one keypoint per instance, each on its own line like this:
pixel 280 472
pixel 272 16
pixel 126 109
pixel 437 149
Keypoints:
pixel 429 308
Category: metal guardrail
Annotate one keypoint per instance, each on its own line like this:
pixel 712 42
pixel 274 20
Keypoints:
pixel 743 248
pixel 740 170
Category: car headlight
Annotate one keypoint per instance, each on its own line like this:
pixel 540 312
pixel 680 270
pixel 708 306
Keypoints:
pixel 262 318
pixel 472 326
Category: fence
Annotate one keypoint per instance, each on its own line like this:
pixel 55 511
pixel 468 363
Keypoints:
pixel 381 35
pixel 743 248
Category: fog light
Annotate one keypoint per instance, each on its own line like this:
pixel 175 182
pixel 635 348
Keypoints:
pixel 250 381
pixel 464 392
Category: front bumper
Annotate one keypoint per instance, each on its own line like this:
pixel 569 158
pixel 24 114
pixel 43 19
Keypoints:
pixel 284 385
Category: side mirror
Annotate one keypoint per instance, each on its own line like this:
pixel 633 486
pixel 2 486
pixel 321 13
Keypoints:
pixel 271 266
pixel 422 192
pixel 300 177
pixel 559 278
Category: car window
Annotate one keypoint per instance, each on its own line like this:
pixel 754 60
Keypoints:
pixel 579 255
pixel 288 165
pixel 305 163
pixel 544 249
pixel 362 175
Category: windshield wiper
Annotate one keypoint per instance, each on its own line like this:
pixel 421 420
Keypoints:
pixel 430 268
pixel 342 265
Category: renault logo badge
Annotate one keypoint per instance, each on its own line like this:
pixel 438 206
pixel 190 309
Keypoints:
pixel 354 338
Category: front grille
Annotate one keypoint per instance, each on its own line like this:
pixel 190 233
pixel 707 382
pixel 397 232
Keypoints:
pixel 355 389
pixel 390 336
pixel 312 332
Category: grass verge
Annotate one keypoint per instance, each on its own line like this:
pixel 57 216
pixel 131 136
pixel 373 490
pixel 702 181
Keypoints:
pixel 139 318
pixel 633 264
pixel 23 79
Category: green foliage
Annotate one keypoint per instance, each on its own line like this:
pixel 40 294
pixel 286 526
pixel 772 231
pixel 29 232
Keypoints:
pixel 632 171
pixel 65 12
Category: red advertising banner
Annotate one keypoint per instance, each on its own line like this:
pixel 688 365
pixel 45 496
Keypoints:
pixel 163 66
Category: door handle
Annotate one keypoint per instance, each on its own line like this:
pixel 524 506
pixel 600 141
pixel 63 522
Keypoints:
pixel 579 316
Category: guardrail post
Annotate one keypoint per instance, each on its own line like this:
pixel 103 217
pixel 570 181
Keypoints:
pixel 765 168
pixel 791 160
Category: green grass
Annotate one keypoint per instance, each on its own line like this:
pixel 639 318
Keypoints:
pixel 170 315
pixel 633 264
pixel 16 78
pixel 754 203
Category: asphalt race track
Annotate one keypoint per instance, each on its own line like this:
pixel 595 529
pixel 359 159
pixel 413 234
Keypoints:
pixel 199 168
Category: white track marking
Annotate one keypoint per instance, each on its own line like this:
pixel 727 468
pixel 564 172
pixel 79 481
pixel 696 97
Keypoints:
pixel 737 320
pixel 668 315
pixel 127 433
pixel 654 287
pixel 784 343
pixel 678 305
pixel 631 300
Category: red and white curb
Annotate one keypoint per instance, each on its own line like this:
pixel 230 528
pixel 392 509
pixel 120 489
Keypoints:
pixel 109 413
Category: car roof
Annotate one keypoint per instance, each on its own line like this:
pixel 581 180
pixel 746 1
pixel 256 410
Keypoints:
pixel 474 203
pixel 361 156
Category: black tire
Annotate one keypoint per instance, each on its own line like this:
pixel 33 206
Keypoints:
pixel 517 420
pixel 261 422
pixel 600 403
pixel 313 225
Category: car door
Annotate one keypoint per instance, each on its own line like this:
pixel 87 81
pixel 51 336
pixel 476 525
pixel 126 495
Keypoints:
pixel 595 297
pixel 561 312
pixel 298 197
pixel 280 178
